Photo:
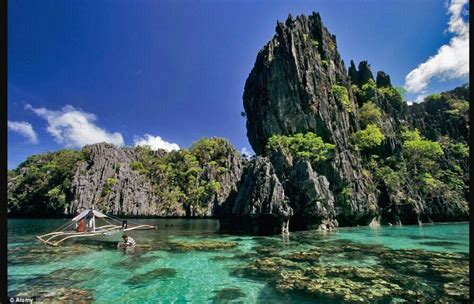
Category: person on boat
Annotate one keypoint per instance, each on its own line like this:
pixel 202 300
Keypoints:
pixel 81 227
pixel 128 242
pixel 90 219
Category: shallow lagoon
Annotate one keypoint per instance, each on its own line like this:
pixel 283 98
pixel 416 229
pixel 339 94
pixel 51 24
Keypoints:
pixel 189 261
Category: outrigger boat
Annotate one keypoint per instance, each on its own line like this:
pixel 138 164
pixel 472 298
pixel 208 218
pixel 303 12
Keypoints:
pixel 85 226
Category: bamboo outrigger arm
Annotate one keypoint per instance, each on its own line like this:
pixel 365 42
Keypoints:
pixel 106 230
pixel 69 235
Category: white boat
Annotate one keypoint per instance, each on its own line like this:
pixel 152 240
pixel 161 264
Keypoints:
pixel 91 225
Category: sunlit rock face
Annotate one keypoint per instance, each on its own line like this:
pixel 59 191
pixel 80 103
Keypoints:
pixel 108 181
pixel 289 90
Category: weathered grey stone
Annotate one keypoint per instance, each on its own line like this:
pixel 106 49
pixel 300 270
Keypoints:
pixel 260 205
pixel 290 90
pixel 107 182
pixel 130 194
pixel 383 80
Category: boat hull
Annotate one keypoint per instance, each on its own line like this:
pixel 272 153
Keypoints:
pixel 109 237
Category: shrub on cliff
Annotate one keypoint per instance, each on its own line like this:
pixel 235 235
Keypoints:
pixel 369 113
pixel 420 151
pixel 458 107
pixel 342 95
pixel 368 90
pixel 308 146
pixel 41 184
pixel 368 138
pixel 393 95
pixel 427 171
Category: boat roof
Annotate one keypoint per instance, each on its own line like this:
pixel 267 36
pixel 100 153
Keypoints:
pixel 85 212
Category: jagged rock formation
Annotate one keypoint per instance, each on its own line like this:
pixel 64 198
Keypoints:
pixel 107 181
pixel 383 80
pixel 260 205
pixel 436 117
pixel 131 182
pixel 290 90
pixel 362 75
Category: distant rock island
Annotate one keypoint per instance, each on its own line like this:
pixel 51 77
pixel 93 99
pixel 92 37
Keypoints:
pixel 334 147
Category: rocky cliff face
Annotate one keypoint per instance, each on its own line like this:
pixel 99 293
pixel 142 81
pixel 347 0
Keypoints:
pixel 295 87
pixel 107 181
pixel 289 91
pixel 129 181
pixel 260 205
pixel 441 118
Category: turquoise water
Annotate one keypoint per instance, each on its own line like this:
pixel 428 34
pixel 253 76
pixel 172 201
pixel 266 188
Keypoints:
pixel 436 237
pixel 189 262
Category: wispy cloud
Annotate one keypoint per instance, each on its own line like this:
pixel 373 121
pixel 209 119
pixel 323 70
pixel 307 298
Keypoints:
pixel 246 151
pixel 155 143
pixel 75 128
pixel 418 99
pixel 452 59
pixel 25 129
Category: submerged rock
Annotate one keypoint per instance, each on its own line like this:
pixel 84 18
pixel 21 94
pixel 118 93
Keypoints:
pixel 63 277
pixel 311 257
pixel 145 278
pixel 39 254
pixel 58 295
pixel 201 245
pixel 337 272
pixel 132 262
pixel 227 295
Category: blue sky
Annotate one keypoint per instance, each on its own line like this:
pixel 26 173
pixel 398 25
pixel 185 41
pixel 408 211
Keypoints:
pixel 130 71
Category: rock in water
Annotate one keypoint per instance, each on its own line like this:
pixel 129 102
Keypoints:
pixel 260 205
pixel 290 90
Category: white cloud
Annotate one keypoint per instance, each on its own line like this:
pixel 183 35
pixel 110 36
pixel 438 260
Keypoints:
pixel 246 151
pixel 25 129
pixel 418 99
pixel 155 143
pixel 452 60
pixel 75 128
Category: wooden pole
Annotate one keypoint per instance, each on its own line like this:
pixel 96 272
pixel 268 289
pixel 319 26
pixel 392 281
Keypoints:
pixel 93 220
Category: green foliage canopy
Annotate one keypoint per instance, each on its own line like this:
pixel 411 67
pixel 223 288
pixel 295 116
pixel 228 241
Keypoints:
pixel 41 184
pixel 419 150
pixel 369 113
pixel 308 146
pixel 368 90
pixel 368 138
pixel 342 95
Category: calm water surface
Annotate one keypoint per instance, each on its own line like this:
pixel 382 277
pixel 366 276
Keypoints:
pixel 189 261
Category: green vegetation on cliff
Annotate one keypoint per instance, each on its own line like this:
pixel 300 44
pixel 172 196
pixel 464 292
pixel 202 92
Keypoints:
pixel 188 178
pixel 41 185
pixel 342 95
pixel 308 146
pixel 368 138
pixel 369 113
pixel 184 179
